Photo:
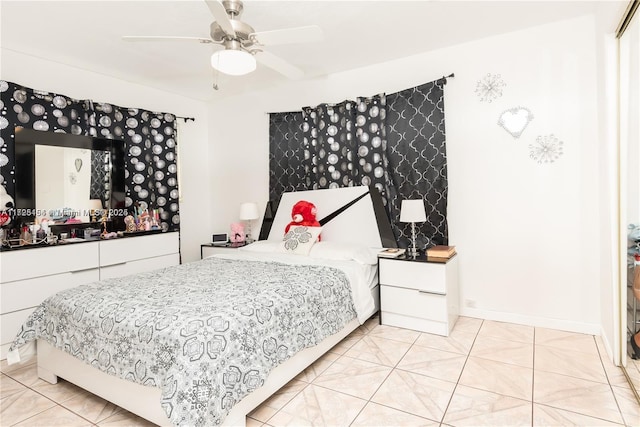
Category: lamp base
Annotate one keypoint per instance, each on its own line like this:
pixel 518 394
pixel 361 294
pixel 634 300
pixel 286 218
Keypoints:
pixel 413 253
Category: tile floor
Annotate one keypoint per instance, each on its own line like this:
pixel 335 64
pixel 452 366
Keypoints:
pixel 485 374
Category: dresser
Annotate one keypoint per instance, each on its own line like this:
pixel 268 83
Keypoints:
pixel 419 294
pixel 28 276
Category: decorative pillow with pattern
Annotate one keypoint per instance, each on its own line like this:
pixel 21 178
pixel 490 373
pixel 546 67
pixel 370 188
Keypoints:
pixel 299 239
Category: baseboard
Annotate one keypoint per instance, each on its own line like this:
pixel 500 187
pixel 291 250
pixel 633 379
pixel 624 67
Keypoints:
pixel 608 348
pixel 541 322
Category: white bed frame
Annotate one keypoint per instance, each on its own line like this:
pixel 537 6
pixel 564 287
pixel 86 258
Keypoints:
pixel 357 224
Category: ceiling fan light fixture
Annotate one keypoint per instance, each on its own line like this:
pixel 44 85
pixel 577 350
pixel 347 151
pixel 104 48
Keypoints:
pixel 233 62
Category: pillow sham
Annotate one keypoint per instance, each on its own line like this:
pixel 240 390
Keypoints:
pixel 299 239
pixel 345 252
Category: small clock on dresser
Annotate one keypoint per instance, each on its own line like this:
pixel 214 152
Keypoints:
pixel 419 294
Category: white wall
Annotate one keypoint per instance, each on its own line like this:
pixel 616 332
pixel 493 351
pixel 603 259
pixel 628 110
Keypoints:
pixel 74 195
pixel 193 150
pixel 50 178
pixel 527 234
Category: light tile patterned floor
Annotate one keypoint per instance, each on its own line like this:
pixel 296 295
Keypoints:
pixel 485 374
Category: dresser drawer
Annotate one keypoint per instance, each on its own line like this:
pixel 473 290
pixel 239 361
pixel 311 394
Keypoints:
pixel 119 251
pixel 430 277
pixel 36 262
pixel 413 303
pixel 31 292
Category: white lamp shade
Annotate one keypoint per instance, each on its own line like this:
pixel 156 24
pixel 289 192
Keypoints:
pixel 249 211
pixel 412 211
pixel 233 62
pixel 95 204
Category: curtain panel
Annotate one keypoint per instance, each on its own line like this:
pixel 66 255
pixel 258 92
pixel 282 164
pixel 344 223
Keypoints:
pixel 99 176
pixel 286 155
pixel 150 142
pixel 416 148
pixel 344 144
pixel 394 142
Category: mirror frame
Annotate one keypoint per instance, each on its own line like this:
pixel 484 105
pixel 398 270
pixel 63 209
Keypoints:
pixel 25 148
pixel 629 15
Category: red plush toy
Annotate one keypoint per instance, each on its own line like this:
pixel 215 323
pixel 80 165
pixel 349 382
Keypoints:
pixel 303 213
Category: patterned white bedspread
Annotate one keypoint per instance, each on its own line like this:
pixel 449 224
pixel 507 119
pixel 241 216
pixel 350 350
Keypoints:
pixel 207 333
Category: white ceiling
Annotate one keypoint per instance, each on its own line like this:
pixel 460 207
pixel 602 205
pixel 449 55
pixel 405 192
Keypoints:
pixel 86 34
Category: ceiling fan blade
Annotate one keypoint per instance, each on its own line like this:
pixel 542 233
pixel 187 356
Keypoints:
pixel 280 65
pixel 220 14
pixel 311 33
pixel 165 38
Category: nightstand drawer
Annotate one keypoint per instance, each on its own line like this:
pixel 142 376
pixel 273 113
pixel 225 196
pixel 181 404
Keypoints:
pixel 424 276
pixel 417 324
pixel 413 303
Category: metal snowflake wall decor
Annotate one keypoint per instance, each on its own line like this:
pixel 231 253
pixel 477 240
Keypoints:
pixel 490 87
pixel 546 149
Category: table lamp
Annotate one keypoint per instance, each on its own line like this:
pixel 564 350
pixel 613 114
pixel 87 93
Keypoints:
pixel 249 212
pixel 413 211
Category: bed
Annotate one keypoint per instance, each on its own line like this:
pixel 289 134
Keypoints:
pixel 205 343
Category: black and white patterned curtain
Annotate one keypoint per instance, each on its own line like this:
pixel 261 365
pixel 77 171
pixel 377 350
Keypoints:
pixel 99 186
pixel 286 158
pixel 418 161
pixel 150 141
pixel 344 144
pixel 396 143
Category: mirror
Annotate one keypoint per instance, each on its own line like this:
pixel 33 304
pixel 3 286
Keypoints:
pixel 62 183
pixel 60 175
pixel 629 48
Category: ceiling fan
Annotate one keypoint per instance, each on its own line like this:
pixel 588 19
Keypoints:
pixel 242 45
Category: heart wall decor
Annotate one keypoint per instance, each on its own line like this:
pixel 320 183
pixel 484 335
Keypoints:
pixel 78 163
pixel 515 120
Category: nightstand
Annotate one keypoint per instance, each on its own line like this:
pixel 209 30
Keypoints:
pixel 419 294
pixel 209 249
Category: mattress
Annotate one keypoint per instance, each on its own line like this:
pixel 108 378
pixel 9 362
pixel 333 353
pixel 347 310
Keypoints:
pixel 357 263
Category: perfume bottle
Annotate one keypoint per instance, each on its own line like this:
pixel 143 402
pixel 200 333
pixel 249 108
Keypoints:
pixel 25 236
pixel 41 234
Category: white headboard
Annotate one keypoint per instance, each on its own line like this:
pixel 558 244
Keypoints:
pixel 357 224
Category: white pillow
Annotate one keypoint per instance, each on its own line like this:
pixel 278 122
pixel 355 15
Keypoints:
pixel 345 251
pixel 299 239
pixel 261 246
